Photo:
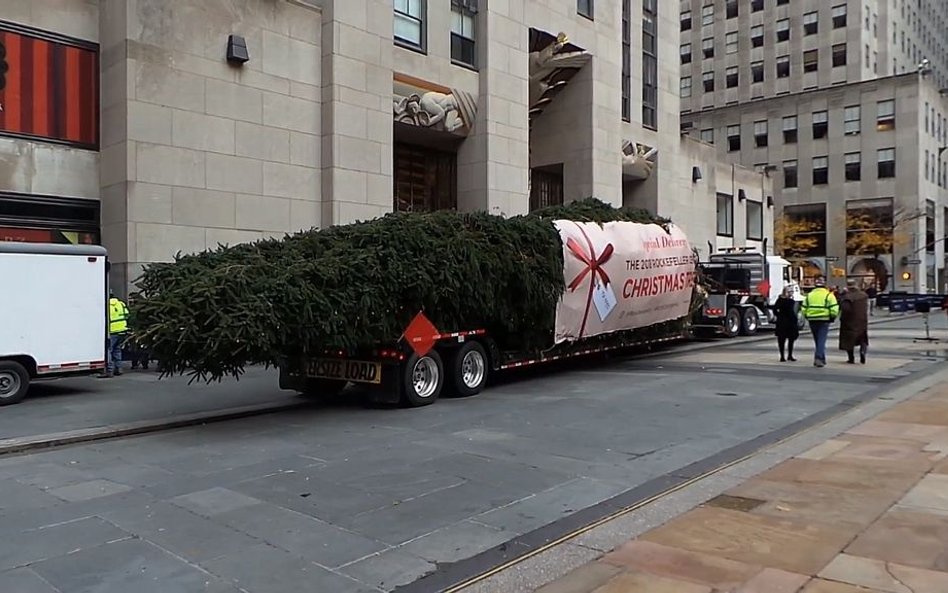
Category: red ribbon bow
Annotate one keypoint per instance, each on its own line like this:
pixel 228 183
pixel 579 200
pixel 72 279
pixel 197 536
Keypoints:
pixel 593 266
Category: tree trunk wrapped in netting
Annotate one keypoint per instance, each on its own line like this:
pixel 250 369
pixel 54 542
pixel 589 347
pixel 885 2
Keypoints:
pixel 352 286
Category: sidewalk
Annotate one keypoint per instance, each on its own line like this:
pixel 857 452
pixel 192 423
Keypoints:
pixel 864 512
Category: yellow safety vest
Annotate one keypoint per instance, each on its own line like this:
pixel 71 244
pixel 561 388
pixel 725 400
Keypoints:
pixel 118 316
pixel 820 305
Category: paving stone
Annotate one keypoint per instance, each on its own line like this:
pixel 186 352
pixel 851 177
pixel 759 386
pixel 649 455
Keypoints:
pixel 753 539
pixel 282 573
pixel 214 501
pixel 315 540
pixel 131 565
pixel 51 475
pixel 456 542
pixel 389 569
pixel 856 477
pixel 88 490
pixel 913 539
pixel 15 496
pixel 884 576
pixel 824 450
pixel 918 412
pixel 180 531
pixel 900 453
pixel 636 582
pixel 56 540
pixel 931 493
pixel 898 430
pixel 584 579
pixel 824 586
pixel 772 580
pixel 24 580
pixel 716 572
pixel 828 505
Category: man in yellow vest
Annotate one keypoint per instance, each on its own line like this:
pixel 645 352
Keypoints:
pixel 821 309
pixel 118 327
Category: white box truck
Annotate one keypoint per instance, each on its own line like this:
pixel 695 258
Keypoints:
pixel 53 313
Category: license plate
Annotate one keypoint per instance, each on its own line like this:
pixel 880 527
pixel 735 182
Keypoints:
pixel 357 371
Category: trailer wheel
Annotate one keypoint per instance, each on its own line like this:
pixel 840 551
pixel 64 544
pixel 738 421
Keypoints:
pixel 14 382
pixel 733 322
pixel 468 370
pixel 750 322
pixel 422 379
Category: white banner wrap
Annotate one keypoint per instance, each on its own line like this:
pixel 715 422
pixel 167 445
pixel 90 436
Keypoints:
pixel 621 276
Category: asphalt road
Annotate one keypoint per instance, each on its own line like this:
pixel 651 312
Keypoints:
pixel 348 499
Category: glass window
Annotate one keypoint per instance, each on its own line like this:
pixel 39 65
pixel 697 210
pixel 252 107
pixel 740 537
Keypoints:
pixel 811 24
pixel 685 87
pixel 585 8
pixel 927 168
pixel 707 47
pixel 708 80
pixel 686 20
pixel 790 129
pixel 725 215
pixel 926 117
pixel 783 66
pixel 463 48
pixel 783 30
pixel 757 71
pixel 730 43
pixel 820 170
pixel 650 64
pixel 755 220
pixel 757 5
pixel 839 16
pixel 789 174
pixel 886 163
pixel 870 226
pixel 839 55
pixel 731 7
pixel 707 15
pixel 779 2
pixel 760 133
pixel 707 135
pixel 425 180
pixel 546 186
pixel 820 124
pixel 885 118
pixel 757 36
pixel 853 166
pixel 812 241
pixel 811 60
pixel 733 138
pixel 851 120
pixel 685 52
pixel 409 23
pixel 731 77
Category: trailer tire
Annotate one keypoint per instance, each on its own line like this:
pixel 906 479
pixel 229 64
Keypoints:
pixel 733 322
pixel 422 379
pixel 750 321
pixel 469 368
pixel 14 382
pixel 322 388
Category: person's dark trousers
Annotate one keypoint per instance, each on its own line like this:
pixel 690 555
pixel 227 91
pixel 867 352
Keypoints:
pixel 785 345
pixel 820 331
pixel 115 354
pixel 851 355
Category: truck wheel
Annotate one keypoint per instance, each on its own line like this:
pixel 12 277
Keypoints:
pixel 732 323
pixel 468 370
pixel 422 379
pixel 750 322
pixel 14 382
pixel 322 388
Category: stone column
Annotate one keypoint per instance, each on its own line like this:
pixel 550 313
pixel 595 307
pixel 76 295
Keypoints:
pixel 357 128
pixel 493 163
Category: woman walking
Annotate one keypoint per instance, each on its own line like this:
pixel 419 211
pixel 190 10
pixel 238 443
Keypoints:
pixel 787 329
pixel 854 323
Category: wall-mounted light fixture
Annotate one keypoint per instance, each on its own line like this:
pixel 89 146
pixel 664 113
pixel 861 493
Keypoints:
pixel 770 201
pixel 741 195
pixel 695 174
pixel 237 53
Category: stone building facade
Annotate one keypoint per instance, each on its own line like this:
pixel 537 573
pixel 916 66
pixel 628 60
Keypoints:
pixel 141 124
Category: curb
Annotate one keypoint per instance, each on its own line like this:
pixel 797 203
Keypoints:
pixel 85 435
pixel 110 431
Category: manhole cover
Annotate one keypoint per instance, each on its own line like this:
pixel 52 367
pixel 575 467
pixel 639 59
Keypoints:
pixel 734 503
pixel 727 394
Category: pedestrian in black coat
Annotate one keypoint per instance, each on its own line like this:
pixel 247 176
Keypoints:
pixel 787 330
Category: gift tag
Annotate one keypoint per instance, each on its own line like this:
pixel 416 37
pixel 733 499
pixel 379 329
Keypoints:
pixel 604 298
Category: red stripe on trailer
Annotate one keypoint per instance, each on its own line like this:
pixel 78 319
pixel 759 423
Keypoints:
pixel 70 366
